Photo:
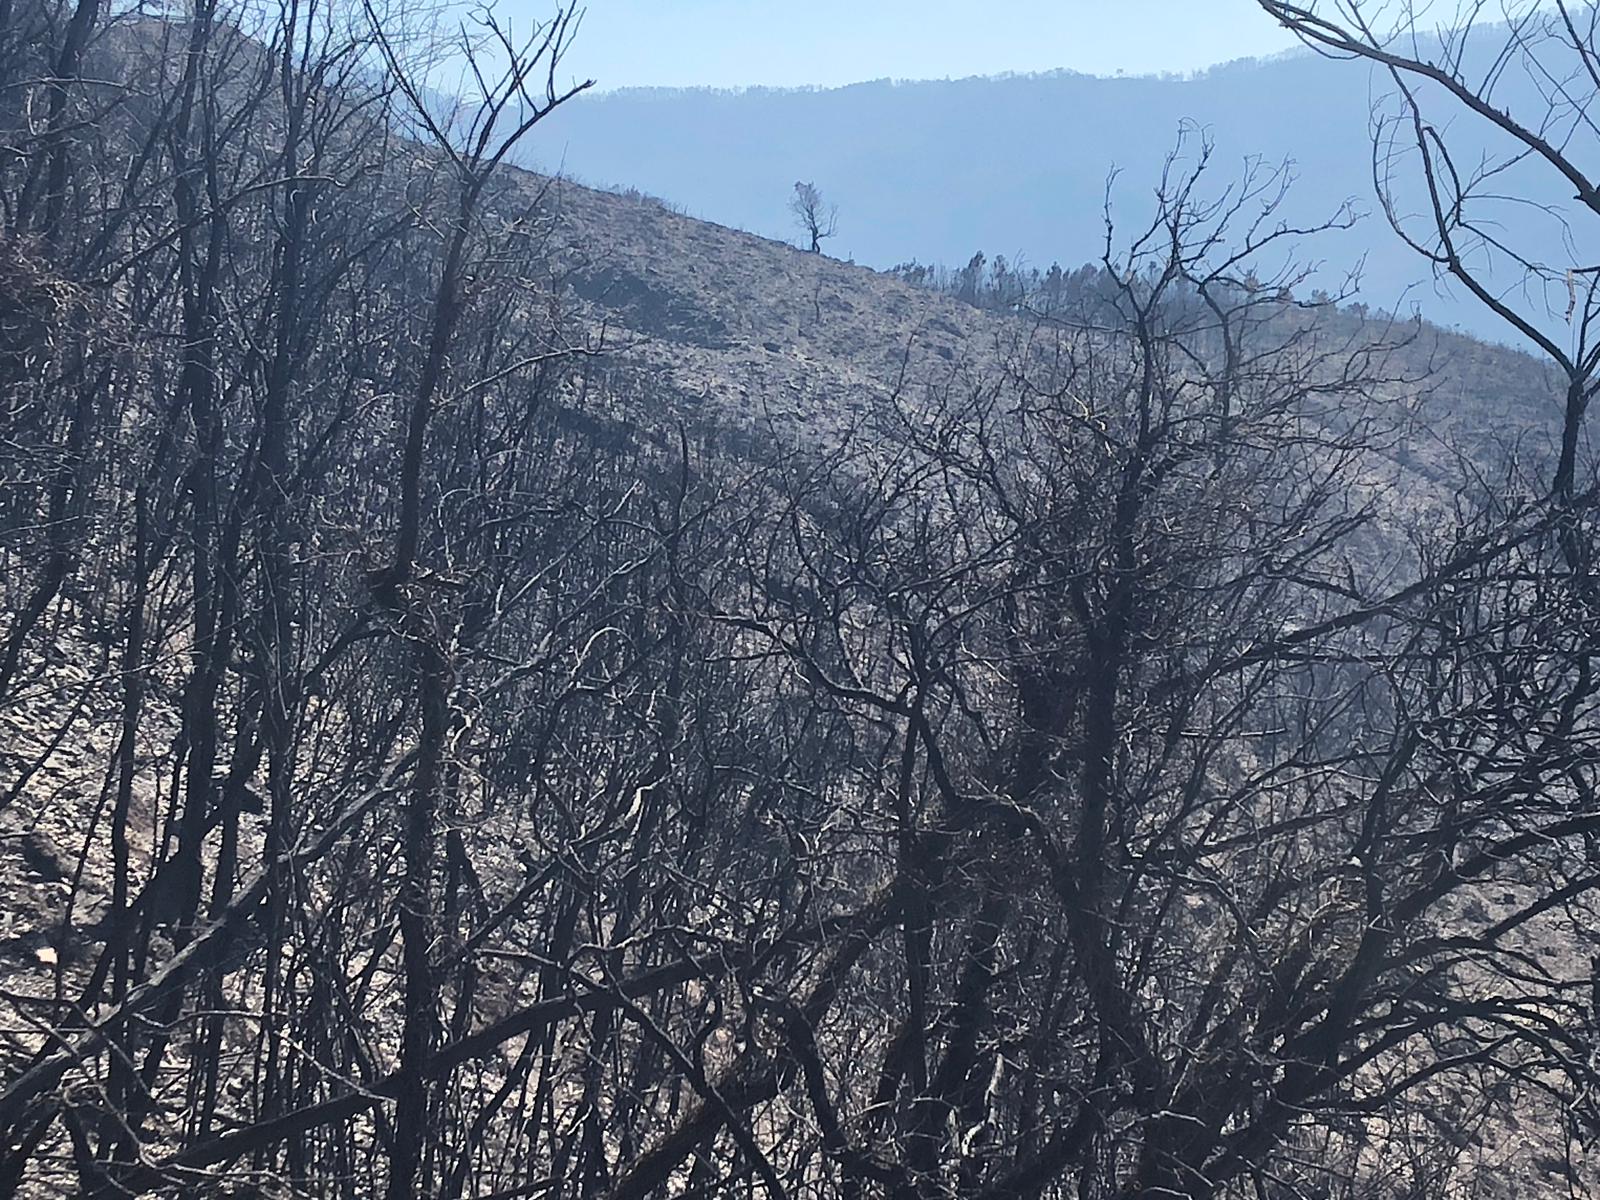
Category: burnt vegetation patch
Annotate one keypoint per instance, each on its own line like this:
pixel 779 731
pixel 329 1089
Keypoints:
pixel 476 727
pixel 650 309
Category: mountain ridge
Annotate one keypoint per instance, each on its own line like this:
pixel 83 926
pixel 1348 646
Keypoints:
pixel 934 170
pixel 672 91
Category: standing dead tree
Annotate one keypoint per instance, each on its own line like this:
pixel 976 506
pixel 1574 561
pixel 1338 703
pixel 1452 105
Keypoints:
pixel 507 109
pixel 510 788
pixel 818 220
pixel 1530 86
pixel 1483 119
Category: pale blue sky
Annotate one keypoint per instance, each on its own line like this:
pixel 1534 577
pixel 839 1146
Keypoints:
pixel 731 43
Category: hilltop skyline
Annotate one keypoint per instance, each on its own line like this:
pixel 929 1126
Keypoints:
pixel 736 43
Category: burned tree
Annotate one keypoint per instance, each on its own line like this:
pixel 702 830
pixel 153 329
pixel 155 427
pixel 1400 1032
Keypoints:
pixel 818 220
pixel 1082 776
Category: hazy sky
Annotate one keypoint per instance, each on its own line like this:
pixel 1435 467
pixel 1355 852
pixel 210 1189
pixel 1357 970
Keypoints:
pixel 729 43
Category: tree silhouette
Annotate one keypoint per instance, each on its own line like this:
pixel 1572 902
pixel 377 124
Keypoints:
pixel 817 219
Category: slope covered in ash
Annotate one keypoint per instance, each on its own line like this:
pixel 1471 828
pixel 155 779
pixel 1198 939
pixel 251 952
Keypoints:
pixel 759 327
pixel 509 690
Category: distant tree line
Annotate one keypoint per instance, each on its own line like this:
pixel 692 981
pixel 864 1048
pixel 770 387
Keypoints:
pixel 999 285
pixel 994 283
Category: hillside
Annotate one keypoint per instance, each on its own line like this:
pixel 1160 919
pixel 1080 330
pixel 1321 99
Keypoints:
pixel 755 329
pixel 759 327
pixel 509 690
pixel 938 170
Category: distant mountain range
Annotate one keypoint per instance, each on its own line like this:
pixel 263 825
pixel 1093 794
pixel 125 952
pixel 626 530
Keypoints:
pixel 1018 165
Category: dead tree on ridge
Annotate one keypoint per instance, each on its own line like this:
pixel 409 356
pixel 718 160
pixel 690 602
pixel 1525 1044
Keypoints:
pixel 818 219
